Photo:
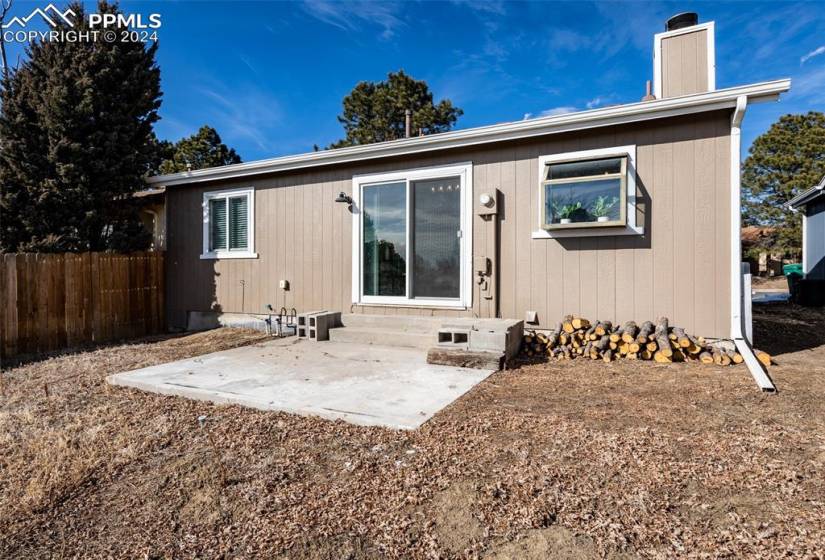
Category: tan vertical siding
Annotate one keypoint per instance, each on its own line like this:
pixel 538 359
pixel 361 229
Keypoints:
pixel 683 244
pixel 662 211
pixel 507 240
pixel 525 216
pixel 685 64
pixel 679 267
pixel 722 249
pixel 643 263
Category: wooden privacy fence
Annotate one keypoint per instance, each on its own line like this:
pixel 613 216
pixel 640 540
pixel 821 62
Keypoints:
pixel 53 301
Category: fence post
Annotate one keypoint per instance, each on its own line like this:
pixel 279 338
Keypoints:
pixel 8 307
pixel 54 301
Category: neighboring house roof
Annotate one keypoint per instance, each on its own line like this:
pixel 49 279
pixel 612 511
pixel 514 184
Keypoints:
pixel 606 116
pixel 752 235
pixel 805 197
pixel 154 192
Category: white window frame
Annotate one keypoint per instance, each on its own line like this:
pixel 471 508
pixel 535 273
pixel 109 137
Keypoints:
pixel 630 228
pixel 465 173
pixel 249 252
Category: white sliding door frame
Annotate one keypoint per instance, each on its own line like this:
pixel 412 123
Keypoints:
pixel 464 171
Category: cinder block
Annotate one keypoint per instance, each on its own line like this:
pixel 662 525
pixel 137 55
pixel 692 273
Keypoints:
pixel 461 337
pixel 453 338
pixel 303 322
pixel 303 317
pixel 488 340
pixel 319 324
pixel 496 335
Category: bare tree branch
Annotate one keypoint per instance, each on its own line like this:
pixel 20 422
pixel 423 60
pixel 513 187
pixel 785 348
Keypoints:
pixel 5 6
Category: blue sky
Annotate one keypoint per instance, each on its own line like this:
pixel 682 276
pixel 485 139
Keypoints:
pixel 270 76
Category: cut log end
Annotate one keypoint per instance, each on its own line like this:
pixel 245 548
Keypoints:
pixel 764 357
pixel 662 358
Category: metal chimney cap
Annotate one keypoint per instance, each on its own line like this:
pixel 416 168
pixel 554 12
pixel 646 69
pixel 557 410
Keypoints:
pixel 679 21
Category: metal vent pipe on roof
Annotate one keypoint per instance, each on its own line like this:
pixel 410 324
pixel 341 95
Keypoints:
pixel 679 21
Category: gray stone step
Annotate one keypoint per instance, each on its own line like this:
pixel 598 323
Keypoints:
pixel 382 337
pixel 401 323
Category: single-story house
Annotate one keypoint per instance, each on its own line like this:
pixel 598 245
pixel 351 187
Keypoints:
pixel 812 205
pixel 619 213
pixel 152 213
pixel 755 243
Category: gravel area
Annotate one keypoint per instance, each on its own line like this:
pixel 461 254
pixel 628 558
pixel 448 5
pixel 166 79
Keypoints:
pixel 565 460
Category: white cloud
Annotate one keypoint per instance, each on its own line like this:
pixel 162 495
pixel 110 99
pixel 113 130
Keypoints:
pixel 608 39
pixel 810 86
pixel 647 17
pixel 564 109
pixel 243 113
pixel 489 6
pixel 772 32
pixel 248 63
pixel 816 52
pixel 595 102
pixel 568 40
pixel 352 16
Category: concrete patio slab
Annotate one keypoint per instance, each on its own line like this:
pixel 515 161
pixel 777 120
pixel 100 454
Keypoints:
pixel 363 384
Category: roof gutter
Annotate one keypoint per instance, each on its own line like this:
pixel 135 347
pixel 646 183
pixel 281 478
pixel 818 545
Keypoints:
pixel 606 116
pixel 757 370
pixel 804 197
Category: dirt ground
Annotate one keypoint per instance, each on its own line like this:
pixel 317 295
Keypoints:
pixel 574 460
pixel 769 283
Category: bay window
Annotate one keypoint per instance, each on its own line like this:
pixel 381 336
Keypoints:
pixel 588 193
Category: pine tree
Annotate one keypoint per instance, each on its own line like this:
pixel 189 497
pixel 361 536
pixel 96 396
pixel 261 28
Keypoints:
pixel 75 143
pixel 375 111
pixel 786 160
pixel 202 149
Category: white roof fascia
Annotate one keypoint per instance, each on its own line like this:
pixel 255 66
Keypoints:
pixel 595 118
pixel 804 197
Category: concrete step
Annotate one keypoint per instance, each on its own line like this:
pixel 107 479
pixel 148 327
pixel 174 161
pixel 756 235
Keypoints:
pixel 383 337
pixel 401 323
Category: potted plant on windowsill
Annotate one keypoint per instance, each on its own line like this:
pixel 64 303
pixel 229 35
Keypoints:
pixel 566 212
pixel 601 208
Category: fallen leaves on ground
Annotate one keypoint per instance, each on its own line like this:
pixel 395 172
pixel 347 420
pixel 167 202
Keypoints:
pixel 569 460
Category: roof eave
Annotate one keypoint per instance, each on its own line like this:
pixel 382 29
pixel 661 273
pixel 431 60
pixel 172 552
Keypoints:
pixel 806 196
pixel 596 118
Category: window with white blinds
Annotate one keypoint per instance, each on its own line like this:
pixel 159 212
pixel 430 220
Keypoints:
pixel 228 224
pixel 238 223
pixel 217 224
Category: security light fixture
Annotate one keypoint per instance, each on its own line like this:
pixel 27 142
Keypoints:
pixel 487 200
pixel 343 197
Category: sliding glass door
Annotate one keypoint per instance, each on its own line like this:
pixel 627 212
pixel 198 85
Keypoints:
pixel 436 241
pixel 385 239
pixel 412 243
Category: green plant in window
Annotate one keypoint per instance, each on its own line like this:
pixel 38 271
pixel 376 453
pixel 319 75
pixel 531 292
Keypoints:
pixel 553 207
pixel 602 206
pixel 566 211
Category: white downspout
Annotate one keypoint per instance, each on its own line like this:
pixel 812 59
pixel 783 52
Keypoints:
pixel 758 371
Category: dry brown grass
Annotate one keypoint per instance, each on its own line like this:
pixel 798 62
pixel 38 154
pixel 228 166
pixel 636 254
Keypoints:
pixel 571 460
pixel 61 424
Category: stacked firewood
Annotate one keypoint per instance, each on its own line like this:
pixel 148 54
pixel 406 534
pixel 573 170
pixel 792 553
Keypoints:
pixel 576 337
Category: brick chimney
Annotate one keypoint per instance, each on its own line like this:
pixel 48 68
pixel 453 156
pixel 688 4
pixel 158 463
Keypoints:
pixel 684 57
